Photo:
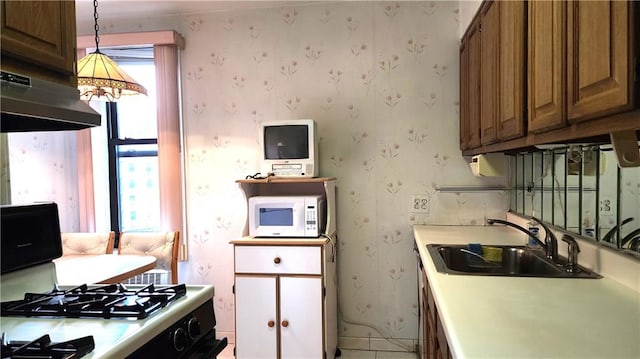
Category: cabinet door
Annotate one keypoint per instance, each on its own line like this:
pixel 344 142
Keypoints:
pixel 256 320
pixel 41 33
pixel 489 27
pixel 511 70
pixel 470 88
pixel 464 94
pixel 301 317
pixel 546 74
pixel 473 86
pixel 598 70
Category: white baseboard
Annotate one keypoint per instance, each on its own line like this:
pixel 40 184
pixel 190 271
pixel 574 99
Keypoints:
pixel 377 344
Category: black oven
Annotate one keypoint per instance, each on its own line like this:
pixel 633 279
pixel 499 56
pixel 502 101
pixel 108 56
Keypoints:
pixel 193 336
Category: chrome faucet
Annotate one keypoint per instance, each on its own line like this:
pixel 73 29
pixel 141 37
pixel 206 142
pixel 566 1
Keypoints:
pixel 572 253
pixel 550 244
pixel 607 237
pixel 550 240
pixel 630 238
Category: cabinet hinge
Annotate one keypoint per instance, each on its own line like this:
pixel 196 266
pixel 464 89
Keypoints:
pixel 324 355
pixel 233 289
pixel 324 291
pixel 234 351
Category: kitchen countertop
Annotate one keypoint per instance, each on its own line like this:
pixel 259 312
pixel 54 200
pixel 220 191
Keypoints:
pixel 511 317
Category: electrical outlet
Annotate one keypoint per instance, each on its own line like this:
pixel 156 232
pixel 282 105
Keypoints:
pixel 419 203
pixel 606 206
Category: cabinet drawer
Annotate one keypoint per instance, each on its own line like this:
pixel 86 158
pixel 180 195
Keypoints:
pixel 278 259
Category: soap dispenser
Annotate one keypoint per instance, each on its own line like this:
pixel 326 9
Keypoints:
pixel 532 226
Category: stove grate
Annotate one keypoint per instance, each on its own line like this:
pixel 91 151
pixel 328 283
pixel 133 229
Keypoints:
pixel 44 348
pixel 105 301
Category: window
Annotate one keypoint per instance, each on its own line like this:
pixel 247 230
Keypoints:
pixel 132 141
pixel 162 61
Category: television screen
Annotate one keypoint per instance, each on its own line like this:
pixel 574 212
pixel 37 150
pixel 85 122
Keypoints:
pixel 286 142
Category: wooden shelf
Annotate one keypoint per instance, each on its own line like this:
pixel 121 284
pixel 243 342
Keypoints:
pixel 286 180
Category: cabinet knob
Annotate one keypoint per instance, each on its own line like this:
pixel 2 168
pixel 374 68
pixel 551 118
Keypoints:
pixel 277 260
pixel 285 323
pixel 271 323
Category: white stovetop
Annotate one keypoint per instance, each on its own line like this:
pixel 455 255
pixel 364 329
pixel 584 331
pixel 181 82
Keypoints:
pixel 114 338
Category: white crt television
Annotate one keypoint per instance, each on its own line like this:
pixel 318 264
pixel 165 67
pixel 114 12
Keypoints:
pixel 289 148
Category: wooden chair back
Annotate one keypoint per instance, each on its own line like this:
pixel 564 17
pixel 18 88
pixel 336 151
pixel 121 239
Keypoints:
pixel 162 245
pixel 87 242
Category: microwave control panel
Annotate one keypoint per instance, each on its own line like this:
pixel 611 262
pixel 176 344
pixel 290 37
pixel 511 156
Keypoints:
pixel 311 219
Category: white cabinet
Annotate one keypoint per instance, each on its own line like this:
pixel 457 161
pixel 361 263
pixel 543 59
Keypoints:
pixel 301 317
pixel 256 316
pixel 285 288
pixel 285 301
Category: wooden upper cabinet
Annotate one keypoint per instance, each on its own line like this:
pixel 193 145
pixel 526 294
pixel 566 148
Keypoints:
pixel 464 94
pixel 502 74
pixel 546 65
pixel 40 33
pixel 470 89
pixel 551 72
pixel 489 49
pixel 473 85
pixel 600 68
pixel 511 71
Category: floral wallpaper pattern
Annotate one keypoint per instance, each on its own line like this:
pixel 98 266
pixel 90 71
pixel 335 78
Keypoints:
pixel 381 81
pixel 43 168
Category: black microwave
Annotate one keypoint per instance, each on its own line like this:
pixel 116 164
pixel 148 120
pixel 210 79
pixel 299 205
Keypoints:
pixel 30 235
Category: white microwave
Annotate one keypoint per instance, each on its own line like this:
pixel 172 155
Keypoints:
pixel 286 216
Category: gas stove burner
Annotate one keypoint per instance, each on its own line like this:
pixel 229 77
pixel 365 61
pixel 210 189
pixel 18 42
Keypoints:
pixel 107 301
pixel 44 348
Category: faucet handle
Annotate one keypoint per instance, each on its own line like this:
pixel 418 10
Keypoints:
pixel 570 241
pixel 572 252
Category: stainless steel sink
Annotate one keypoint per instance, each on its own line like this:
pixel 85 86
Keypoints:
pixel 516 261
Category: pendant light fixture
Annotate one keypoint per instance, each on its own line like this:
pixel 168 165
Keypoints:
pixel 101 77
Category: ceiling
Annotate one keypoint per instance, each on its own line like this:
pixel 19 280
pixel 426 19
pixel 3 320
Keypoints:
pixel 110 9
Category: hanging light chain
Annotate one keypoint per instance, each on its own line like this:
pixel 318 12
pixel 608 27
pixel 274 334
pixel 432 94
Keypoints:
pixel 95 19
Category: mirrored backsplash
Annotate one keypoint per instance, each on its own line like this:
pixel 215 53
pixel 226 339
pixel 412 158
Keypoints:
pixel 581 189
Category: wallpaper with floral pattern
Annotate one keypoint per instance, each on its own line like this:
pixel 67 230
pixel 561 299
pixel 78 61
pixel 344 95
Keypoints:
pixel 381 81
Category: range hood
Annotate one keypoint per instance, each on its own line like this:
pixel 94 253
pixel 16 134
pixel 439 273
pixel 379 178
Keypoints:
pixel 31 104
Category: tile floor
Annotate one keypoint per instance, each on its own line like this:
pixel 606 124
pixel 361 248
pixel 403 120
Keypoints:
pixel 227 353
pixel 365 354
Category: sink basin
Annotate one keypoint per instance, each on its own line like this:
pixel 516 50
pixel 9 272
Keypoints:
pixel 516 261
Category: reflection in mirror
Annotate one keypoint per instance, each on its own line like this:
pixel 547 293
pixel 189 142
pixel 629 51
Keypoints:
pixel 607 196
pixel 520 183
pixel 560 190
pixel 538 173
pixel 528 185
pixel 630 206
pixel 580 188
pixel 588 190
pixel 548 186
pixel 574 175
